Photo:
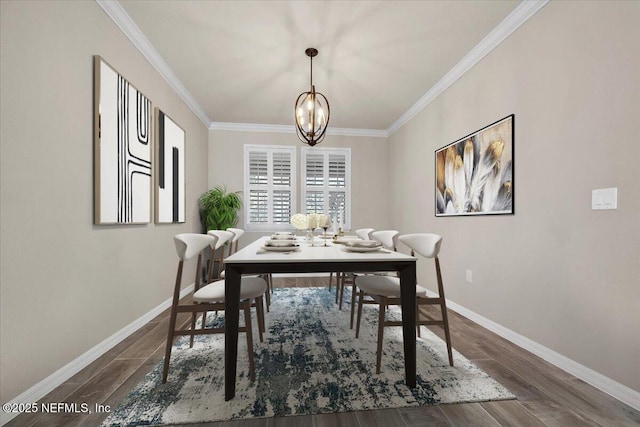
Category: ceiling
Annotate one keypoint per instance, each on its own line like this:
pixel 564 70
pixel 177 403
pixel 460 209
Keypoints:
pixel 244 61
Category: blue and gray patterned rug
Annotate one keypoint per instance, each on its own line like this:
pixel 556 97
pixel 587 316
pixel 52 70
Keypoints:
pixel 309 363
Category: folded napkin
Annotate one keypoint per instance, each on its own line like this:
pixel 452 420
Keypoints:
pixel 363 243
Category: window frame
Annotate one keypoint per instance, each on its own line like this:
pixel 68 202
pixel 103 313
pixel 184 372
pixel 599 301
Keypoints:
pixel 269 187
pixel 326 152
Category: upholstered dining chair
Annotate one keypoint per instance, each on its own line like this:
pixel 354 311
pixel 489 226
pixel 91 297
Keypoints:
pixel 362 233
pixel 235 241
pixel 233 248
pixel 341 278
pixel 209 297
pixel 389 240
pixel 350 278
pixel 223 236
pixel 385 291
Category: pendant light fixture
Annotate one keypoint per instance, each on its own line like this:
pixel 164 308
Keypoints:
pixel 311 111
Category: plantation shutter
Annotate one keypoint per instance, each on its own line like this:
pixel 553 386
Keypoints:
pixel 282 177
pixel 269 187
pixel 327 181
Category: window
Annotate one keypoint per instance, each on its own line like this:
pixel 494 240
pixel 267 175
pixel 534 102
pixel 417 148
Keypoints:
pixel 326 182
pixel 269 187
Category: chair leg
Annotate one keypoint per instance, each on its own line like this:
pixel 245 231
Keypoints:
pixel 193 328
pixel 170 336
pixel 249 332
pixel 260 316
pixel 380 335
pixel 360 299
pixel 331 279
pixel 267 296
pixel 447 336
pixel 344 278
pixel 353 302
pixel 418 319
pixel 221 262
pixel 443 308
pixel 338 276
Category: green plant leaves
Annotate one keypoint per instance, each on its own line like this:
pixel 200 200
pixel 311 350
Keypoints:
pixel 219 209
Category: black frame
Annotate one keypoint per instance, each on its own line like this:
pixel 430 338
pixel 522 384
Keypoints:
pixel 502 168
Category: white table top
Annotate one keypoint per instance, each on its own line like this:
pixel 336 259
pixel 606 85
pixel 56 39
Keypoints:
pixel 254 253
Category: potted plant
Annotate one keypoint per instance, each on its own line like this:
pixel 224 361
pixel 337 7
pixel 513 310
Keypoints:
pixel 219 209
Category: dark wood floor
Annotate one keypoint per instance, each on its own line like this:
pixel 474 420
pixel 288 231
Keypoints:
pixel 545 394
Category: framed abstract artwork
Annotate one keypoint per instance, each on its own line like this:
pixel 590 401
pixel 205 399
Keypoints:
pixel 474 175
pixel 122 149
pixel 170 170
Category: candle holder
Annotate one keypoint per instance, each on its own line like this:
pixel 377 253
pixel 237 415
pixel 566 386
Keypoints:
pixel 309 237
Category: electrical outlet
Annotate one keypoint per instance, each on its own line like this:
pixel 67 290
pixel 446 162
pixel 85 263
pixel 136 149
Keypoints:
pixel 469 276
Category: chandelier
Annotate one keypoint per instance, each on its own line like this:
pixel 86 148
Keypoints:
pixel 311 111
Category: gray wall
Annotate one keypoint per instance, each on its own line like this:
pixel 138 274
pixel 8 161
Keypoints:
pixel 67 285
pixel 369 170
pixel 556 272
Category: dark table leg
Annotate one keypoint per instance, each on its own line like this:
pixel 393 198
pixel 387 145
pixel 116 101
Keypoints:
pixel 231 318
pixel 408 299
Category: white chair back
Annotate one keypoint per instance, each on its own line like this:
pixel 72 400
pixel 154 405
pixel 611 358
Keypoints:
pixel 189 245
pixel 237 233
pixel 363 233
pixel 388 238
pixel 424 244
pixel 223 237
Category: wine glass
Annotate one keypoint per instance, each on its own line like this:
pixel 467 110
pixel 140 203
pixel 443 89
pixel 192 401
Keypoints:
pixel 325 225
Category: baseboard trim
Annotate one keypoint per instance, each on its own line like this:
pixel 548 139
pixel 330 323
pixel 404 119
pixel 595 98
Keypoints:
pixel 613 388
pixel 41 389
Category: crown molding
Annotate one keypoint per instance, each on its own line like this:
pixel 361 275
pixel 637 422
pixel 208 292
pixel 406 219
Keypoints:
pixel 121 18
pixel 253 127
pixel 512 22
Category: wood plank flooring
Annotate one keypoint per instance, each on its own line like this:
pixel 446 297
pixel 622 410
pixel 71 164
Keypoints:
pixel 546 395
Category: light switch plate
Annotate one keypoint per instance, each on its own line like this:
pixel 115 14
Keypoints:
pixel 604 198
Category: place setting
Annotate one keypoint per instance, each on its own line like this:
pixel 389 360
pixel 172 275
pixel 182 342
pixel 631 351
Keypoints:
pixel 358 245
pixel 280 242
pixel 341 240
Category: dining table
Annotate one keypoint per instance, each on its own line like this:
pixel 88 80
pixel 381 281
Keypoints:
pixel 315 257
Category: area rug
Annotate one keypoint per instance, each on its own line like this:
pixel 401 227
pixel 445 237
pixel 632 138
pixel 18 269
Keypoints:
pixel 310 362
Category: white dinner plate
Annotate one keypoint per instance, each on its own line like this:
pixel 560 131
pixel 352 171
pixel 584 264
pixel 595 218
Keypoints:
pixel 280 242
pixel 362 248
pixel 283 237
pixel 280 248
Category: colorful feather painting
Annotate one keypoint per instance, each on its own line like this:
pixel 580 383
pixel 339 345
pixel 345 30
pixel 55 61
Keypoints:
pixel 474 175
